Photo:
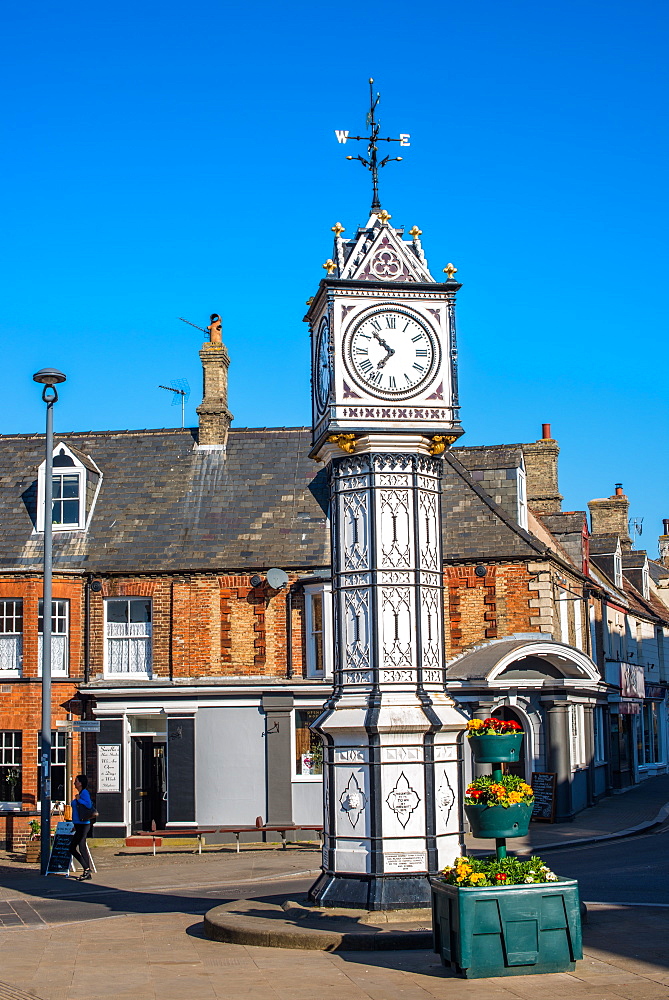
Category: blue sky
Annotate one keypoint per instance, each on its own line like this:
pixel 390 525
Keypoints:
pixel 167 159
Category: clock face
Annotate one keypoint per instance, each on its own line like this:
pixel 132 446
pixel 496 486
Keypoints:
pixel 391 352
pixel 323 373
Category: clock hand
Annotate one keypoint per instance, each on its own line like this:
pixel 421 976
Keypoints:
pixel 387 347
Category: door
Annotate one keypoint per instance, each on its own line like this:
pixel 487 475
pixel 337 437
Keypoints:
pixel 158 789
pixel 142 749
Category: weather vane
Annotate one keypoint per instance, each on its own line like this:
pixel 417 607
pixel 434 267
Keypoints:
pixel 373 163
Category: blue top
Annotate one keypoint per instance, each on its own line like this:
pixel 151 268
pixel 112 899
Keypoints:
pixel 86 801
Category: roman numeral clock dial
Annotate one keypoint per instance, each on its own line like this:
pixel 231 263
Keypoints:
pixel 391 353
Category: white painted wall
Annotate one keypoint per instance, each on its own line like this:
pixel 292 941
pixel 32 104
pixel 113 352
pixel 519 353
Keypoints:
pixel 229 766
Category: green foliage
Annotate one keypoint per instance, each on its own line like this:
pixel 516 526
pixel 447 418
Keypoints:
pixel 468 872
pixel 506 791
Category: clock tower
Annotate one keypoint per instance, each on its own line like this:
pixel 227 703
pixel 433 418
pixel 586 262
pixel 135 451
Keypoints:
pixel 385 407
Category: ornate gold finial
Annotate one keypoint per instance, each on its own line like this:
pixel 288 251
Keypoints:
pixel 415 232
pixel 384 216
pixel 345 441
pixel 450 271
pixel 439 443
pixel 309 301
pixel 329 266
pixel 338 228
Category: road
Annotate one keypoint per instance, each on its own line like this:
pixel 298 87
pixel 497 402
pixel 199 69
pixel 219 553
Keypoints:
pixel 633 871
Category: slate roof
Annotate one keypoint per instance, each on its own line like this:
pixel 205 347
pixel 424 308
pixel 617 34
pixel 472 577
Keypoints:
pixel 498 456
pixel 165 507
pixel 474 526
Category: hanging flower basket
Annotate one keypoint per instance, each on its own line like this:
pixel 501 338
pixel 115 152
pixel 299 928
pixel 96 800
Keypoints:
pixel 494 741
pixel 499 807
pixel 488 822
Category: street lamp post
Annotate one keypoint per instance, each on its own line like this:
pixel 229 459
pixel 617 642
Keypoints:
pixel 49 378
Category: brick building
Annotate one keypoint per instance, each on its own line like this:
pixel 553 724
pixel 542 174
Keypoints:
pixel 205 678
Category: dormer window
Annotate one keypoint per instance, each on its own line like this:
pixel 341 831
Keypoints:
pixel 72 474
pixel 618 569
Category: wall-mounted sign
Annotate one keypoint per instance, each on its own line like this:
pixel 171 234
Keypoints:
pixel 109 767
pixel 631 680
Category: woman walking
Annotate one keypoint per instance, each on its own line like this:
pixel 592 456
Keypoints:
pixel 82 810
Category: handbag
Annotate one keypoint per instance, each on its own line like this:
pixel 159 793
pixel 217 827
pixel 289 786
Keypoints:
pixel 86 814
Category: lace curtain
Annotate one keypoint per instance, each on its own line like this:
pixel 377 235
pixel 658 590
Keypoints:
pixel 58 654
pixel 128 647
pixel 10 652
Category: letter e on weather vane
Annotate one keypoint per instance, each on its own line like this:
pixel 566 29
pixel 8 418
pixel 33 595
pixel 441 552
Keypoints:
pixel 372 162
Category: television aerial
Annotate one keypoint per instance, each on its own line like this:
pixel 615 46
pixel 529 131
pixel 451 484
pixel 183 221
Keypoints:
pixel 180 390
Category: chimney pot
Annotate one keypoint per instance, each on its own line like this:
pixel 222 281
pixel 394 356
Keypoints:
pixel 619 490
pixel 666 525
pixel 546 432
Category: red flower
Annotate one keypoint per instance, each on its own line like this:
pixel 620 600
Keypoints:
pixel 501 877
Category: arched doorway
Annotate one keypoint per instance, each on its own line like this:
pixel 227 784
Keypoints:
pixel 507 714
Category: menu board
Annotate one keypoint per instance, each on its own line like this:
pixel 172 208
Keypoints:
pixel 109 767
pixel 543 785
pixel 59 859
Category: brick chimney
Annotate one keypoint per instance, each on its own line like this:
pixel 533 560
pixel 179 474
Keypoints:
pixel 609 516
pixel 664 544
pixel 541 468
pixel 213 413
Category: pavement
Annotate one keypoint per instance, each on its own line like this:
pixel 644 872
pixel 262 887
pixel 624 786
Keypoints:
pixel 137 930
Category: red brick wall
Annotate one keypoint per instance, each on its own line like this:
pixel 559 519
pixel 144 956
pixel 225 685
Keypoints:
pixel 480 608
pixel 206 625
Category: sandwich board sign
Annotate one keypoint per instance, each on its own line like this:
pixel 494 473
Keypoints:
pixel 59 859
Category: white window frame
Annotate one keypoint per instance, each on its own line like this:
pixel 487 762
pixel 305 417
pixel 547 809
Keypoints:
pixel 76 469
pixel 145 635
pixel 578 625
pixel 521 481
pixel 618 569
pixel 58 758
pixel 15 647
pixel 577 737
pixel 293 741
pixel 324 591
pixel 60 650
pixel 8 748
pixel 563 611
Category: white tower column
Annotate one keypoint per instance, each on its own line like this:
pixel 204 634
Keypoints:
pixel 392 736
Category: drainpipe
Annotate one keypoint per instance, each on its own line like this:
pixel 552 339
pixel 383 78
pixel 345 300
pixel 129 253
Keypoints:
pixel 87 628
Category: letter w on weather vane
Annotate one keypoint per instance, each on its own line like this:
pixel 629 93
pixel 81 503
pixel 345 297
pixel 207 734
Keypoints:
pixel 372 162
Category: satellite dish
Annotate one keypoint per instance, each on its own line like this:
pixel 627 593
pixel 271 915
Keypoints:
pixel 276 579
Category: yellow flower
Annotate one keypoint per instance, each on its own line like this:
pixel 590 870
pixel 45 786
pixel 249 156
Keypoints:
pixel 475 724
pixel 477 877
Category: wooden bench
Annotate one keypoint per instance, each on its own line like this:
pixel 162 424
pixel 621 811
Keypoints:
pixel 201 832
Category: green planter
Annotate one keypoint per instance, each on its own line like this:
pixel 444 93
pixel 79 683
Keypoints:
pixel 495 822
pixel 517 931
pixel 492 749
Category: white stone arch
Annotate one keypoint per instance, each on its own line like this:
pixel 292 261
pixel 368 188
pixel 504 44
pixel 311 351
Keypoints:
pixel 571 663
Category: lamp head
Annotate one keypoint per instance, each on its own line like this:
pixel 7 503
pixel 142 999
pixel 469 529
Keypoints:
pixel 49 376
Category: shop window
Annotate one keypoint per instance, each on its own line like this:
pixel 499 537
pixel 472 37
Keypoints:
pixel 308 745
pixel 318 627
pixel 128 636
pixel 577 737
pixel 59 636
pixel 648 733
pixel 11 760
pixel 11 636
pixel 58 762
pixel 599 734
